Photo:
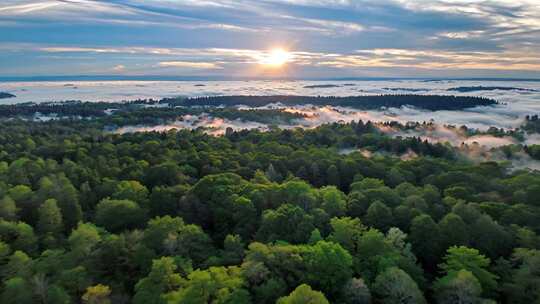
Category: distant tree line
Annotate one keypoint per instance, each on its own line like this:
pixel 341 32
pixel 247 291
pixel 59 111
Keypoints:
pixel 428 102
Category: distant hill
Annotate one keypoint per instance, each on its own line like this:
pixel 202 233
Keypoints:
pixel 6 95
pixel 428 102
pixel 482 88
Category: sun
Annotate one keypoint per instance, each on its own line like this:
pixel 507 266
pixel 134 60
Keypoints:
pixel 276 58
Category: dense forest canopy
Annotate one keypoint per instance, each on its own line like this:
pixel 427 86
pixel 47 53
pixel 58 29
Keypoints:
pixel 333 214
pixel 258 217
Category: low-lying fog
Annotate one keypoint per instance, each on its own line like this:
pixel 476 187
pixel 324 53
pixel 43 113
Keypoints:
pixel 476 147
pixel 520 98
pixel 316 116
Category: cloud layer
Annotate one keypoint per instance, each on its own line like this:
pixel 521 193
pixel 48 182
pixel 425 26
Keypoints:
pixel 327 38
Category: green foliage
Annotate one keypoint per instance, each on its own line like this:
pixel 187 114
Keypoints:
pixel 303 294
pixel 328 267
pixel 379 216
pixel 131 190
pixel 171 236
pixel 288 223
pixel 8 209
pixel 84 238
pixel 252 217
pixel 453 231
pixel 162 279
pixel 216 285
pixel 118 215
pixel 424 237
pixel 19 235
pixel 523 285
pixel 458 287
pixel 469 259
pixel 60 188
pixel 395 286
pixel 98 294
pixel 50 218
pixel 356 292
pixel 16 292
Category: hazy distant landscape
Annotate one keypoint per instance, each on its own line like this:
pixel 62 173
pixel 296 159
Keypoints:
pixel 523 98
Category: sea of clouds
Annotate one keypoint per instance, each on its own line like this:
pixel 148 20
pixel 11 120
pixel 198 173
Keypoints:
pixel 515 103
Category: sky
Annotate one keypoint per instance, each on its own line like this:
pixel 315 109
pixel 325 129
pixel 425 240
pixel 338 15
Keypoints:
pixel 303 39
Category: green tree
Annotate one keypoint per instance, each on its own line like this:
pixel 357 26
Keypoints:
pixel 424 237
pixel 60 188
pixel 56 294
pixel 18 265
pixel 272 174
pixel 458 287
pixel 379 216
pixel 84 239
pixel 333 201
pixel 165 200
pixel 133 191
pixel 332 176
pixel 118 215
pixel 288 223
pixel 215 285
pixel 523 285
pixel 346 232
pixel 233 250
pixel 303 294
pixel 161 280
pixel 329 267
pixel 168 235
pixel 395 286
pixel 489 237
pixel 50 218
pixel 20 236
pixel 453 231
pixel 357 204
pixel 16 291
pixel 24 203
pixel 97 294
pixel 458 258
pixel 8 209
pixel 315 237
pixel 356 292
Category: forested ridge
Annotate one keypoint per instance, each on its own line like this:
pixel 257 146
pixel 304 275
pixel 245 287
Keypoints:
pixel 6 95
pixel 167 107
pixel 258 217
pixel 428 102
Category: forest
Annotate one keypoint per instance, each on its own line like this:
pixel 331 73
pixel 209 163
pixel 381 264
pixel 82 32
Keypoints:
pixel 90 216
pixel 6 95
pixel 428 102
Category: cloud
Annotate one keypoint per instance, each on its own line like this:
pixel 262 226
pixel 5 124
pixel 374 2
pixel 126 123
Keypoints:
pixel 119 68
pixel 425 59
pixel 190 65
pixel 402 36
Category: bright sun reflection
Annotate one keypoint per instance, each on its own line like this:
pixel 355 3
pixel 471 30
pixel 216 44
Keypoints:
pixel 276 58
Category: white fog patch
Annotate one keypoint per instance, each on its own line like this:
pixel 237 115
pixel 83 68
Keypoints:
pixel 490 141
pixel 519 160
pixel 315 116
pixel 211 125
pixel 532 139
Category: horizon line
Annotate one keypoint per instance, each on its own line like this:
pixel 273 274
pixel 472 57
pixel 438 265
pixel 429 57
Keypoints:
pixel 59 78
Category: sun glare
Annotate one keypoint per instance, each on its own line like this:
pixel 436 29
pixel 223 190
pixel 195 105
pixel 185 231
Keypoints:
pixel 276 58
